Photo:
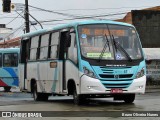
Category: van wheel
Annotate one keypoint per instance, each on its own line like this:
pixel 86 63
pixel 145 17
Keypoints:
pixel 39 96
pixel 129 98
pixel 7 89
pixel 78 99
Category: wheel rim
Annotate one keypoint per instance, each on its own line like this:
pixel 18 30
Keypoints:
pixel 35 92
pixel 75 96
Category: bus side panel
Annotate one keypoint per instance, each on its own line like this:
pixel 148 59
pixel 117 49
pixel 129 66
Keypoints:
pixel 72 73
pixel 9 77
pixel 49 79
pixel 22 85
pixel 32 73
pixel 42 70
pixel 55 74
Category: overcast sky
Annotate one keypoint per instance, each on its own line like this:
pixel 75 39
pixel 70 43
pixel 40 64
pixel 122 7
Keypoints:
pixel 74 8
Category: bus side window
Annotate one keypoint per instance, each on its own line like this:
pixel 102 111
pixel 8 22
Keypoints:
pixel 14 59
pixel 72 51
pixel 10 60
pixel 6 60
pixel 34 47
pixel 44 46
pixel 53 47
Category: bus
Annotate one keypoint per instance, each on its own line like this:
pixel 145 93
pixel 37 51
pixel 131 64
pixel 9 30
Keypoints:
pixel 9 58
pixel 87 59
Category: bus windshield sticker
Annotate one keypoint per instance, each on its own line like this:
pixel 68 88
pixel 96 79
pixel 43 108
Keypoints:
pixel 118 57
pixel 83 36
pixel 95 55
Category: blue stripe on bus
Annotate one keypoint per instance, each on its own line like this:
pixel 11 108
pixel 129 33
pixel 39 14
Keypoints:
pixel 55 79
pixel 13 74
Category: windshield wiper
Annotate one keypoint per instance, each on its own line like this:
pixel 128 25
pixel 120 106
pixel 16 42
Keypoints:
pixel 104 48
pixel 118 45
pixel 107 42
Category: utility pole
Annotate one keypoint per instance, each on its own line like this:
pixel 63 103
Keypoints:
pixel 26 15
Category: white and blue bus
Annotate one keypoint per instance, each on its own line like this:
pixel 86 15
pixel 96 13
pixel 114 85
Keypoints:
pixel 84 59
pixel 9 68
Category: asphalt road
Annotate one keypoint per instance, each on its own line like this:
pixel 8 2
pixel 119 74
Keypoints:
pixel 17 101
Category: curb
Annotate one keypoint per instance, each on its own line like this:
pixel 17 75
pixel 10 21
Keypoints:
pixel 152 88
pixel 153 91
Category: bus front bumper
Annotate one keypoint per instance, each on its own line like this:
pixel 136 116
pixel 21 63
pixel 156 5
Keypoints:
pixel 94 86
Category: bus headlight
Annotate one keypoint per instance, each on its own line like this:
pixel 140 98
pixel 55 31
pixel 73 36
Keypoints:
pixel 89 72
pixel 140 73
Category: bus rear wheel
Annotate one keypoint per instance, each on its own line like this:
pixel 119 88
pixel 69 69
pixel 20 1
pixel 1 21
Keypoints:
pixel 39 96
pixel 7 89
pixel 129 98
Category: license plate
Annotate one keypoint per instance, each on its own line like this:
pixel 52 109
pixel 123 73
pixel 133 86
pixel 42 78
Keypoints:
pixel 116 91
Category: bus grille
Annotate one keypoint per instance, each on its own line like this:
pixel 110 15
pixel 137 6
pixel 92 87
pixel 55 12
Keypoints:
pixel 113 76
pixel 116 83
pixel 111 80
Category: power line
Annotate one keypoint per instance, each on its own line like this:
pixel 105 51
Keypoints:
pixel 24 18
pixel 79 16
pixel 14 19
pixel 17 33
pixel 86 17
pixel 63 14
pixel 8 17
pixel 93 8
pixel 74 16
pixel 8 14
pixel 55 23
pixel 59 13
pixel 14 31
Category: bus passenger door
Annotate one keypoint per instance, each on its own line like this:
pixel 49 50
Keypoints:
pixel 65 40
pixel 23 64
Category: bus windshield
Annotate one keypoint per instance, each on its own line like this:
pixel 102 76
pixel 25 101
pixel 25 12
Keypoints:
pixel 103 38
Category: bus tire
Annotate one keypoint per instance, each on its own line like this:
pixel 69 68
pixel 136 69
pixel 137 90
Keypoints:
pixel 39 96
pixel 44 96
pixel 129 98
pixel 36 95
pixel 77 98
pixel 7 89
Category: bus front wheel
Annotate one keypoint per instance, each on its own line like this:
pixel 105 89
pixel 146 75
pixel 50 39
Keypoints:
pixel 129 98
pixel 78 99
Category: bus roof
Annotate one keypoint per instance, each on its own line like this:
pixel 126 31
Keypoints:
pixel 9 50
pixel 74 24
